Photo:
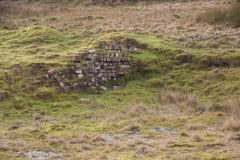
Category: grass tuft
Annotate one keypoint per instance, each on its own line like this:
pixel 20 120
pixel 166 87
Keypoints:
pixel 232 121
pixel 45 93
pixel 224 15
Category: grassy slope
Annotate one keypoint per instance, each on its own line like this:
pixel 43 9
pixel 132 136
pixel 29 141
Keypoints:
pixel 63 117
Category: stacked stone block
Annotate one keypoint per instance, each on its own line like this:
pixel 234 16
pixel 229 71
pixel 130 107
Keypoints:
pixel 90 70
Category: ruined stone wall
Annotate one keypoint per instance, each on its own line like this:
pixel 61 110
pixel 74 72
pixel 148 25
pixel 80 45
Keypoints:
pixel 90 70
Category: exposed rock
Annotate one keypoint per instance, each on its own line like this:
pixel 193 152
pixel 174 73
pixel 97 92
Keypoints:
pixel 113 138
pixel 163 131
pixel 85 100
pixel 40 155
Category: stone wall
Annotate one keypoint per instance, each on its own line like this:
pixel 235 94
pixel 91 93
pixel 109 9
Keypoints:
pixel 90 70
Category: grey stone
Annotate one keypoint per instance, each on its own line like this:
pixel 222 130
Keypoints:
pixel 84 100
pixel 92 68
pixel 163 130
pixel 103 88
pixel 40 155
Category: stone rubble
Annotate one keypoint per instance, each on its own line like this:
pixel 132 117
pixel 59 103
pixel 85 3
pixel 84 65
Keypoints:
pixel 89 70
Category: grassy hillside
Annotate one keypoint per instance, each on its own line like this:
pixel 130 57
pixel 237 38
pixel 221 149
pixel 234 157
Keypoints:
pixel 181 103
pixel 106 2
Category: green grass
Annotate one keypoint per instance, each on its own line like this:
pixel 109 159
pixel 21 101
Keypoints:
pixel 164 65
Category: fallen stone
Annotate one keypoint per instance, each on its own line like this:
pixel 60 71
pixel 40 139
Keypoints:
pixel 51 72
pixel 80 75
pixel 78 71
pixel 61 84
pixel 84 100
pixel 122 73
pixel 113 138
pixel 103 88
pixel 91 51
pixel 117 87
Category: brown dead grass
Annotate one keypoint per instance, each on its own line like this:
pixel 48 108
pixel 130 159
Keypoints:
pixel 13 16
pixel 178 23
pixel 232 121
pixel 23 11
pixel 222 15
pixel 182 100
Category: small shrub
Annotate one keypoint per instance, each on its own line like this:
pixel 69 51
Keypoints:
pixel 3 95
pixel 45 93
pixel 36 116
pixel 230 15
pixel 88 18
pixel 210 61
pixel 158 83
pixel 176 16
pixel 19 103
pixel 100 17
pixel 183 134
pixel 184 58
pixel 197 138
pixel 215 107
pixel 52 18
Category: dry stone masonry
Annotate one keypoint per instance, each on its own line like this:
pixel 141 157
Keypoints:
pixel 89 70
